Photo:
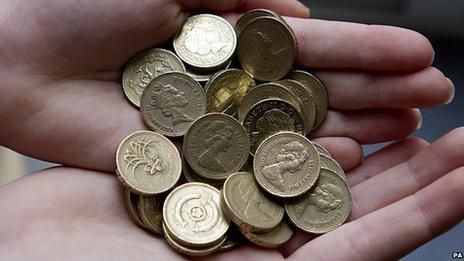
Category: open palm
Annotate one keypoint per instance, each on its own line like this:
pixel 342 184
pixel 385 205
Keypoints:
pixel 61 101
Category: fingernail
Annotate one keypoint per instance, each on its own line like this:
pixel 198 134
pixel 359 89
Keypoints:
pixel 452 91
pixel 419 121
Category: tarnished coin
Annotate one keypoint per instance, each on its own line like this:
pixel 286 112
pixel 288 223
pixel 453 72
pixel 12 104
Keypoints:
pixel 329 163
pixel 267 48
pixel 286 165
pixel 206 41
pixel 269 117
pixel 193 215
pixel 308 109
pixel 203 76
pixel 171 102
pixel 144 67
pixel 189 250
pixel 216 145
pixel 266 91
pixel 247 206
pixel 234 238
pixel 324 208
pixel 191 176
pixel 148 163
pixel 226 90
pixel 250 15
pixel 317 91
pixel 273 239
pixel 321 149
pixel 151 213
pixel 131 201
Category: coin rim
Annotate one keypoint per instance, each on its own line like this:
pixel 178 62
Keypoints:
pixel 144 217
pixel 257 240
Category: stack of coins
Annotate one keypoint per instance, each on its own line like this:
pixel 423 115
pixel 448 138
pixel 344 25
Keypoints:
pixel 247 172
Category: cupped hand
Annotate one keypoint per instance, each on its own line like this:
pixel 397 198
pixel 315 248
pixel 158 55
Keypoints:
pixel 61 101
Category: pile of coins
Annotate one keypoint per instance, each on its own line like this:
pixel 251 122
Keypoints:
pixel 247 170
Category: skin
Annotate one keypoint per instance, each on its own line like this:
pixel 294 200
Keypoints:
pixel 61 101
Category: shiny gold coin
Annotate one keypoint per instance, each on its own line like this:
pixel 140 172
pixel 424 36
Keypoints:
pixel 308 109
pixel 146 66
pixel 171 102
pixel 276 238
pixel 263 92
pixel 203 76
pixel 150 210
pixel 267 48
pixel 269 117
pixel 321 149
pixel 216 145
pixel 191 176
pixel 148 163
pixel 191 251
pixel 247 206
pixel 131 202
pixel 286 165
pixel 317 91
pixel 329 163
pixel 193 216
pixel 226 90
pixel 206 41
pixel 253 14
pixel 324 208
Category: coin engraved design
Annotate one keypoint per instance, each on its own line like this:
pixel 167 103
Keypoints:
pixel 148 163
pixel 191 176
pixel 329 163
pixel 171 102
pixel 216 145
pixel 269 117
pixel 226 90
pixel 150 209
pixel 206 41
pixel 193 215
pixel 247 206
pixel 263 92
pixel 316 90
pixel 286 165
pixel 267 48
pixel 324 208
pixel 253 14
pixel 146 66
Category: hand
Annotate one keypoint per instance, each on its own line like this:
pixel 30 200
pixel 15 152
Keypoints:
pixel 61 98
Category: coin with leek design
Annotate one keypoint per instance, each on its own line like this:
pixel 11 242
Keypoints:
pixel 286 165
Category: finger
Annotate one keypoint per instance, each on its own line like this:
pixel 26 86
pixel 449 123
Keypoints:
pixel 396 230
pixel 407 178
pixel 350 90
pixel 289 8
pixel 386 158
pixel 330 44
pixel 370 126
pixel 345 151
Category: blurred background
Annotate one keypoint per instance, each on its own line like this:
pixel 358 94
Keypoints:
pixel 442 21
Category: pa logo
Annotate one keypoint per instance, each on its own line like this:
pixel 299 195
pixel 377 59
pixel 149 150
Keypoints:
pixel 458 255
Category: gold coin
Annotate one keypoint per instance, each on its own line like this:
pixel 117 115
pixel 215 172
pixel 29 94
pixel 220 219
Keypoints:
pixel 146 66
pixel 190 251
pixel 226 89
pixel 250 15
pixel 263 92
pixel 148 163
pixel 131 202
pixel 206 41
pixel 247 206
pixel 317 91
pixel 234 238
pixel 308 109
pixel 171 102
pixel 193 216
pixel 286 165
pixel 321 149
pixel 269 117
pixel 276 238
pixel 216 145
pixel 324 208
pixel 203 76
pixel 191 176
pixel 150 209
pixel 329 163
pixel 267 48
